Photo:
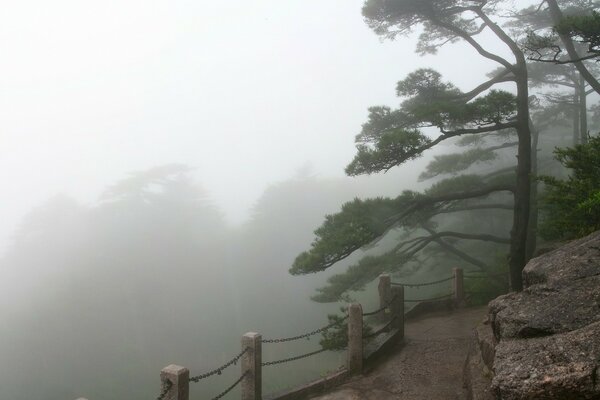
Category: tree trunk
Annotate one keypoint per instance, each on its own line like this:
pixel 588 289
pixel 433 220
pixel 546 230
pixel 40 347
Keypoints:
pixel 518 253
pixel 576 118
pixel 533 211
pixel 518 234
pixel 583 126
pixel 557 16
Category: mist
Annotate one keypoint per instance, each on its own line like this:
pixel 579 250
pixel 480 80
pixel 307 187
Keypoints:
pixel 164 164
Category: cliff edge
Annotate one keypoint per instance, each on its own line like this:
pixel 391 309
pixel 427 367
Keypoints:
pixel 543 342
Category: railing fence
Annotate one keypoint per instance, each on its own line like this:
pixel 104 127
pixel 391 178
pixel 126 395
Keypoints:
pixel 175 380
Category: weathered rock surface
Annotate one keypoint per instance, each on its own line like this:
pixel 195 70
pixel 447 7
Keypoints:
pixel 571 262
pixel 486 343
pixel 548 336
pixel 563 366
pixel 477 375
pixel 544 309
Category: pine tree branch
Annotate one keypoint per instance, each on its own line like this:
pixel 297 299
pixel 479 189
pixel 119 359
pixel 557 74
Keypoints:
pixel 468 258
pixel 557 16
pixel 494 206
pixel 465 36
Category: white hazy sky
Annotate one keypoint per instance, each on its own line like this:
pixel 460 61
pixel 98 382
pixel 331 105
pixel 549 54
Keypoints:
pixel 245 91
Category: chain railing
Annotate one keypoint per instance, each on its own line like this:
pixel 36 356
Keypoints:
pixel 230 388
pixel 285 360
pixel 218 371
pixel 380 309
pixel 166 387
pixel 418 285
pixel 176 380
pixel 444 297
pixel 305 335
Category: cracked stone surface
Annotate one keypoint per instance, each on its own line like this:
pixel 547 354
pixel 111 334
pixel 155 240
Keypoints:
pixel 549 334
pixel 428 366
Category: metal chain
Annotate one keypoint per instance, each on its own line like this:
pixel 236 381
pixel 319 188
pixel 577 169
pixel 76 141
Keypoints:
pixel 223 393
pixel 422 284
pixel 431 299
pixel 305 335
pixel 383 328
pixel 166 387
pixel 218 371
pixel 367 314
pixel 265 364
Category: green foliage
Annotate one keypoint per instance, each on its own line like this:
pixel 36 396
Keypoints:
pixel 583 29
pixel 571 208
pixel 425 83
pixel 392 18
pixel 390 149
pixel 337 237
pixel 457 184
pixel 392 137
pixel 357 276
pixel 483 287
pixel 357 224
pixel 454 163
pixel 495 107
pixel 336 338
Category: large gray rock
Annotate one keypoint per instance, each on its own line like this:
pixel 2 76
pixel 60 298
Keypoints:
pixel 548 336
pixel 573 261
pixel 542 310
pixel 562 366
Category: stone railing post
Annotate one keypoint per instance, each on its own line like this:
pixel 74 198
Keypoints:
pixel 180 382
pixel 355 339
pixel 385 293
pixel 397 307
pixel 459 286
pixel 251 366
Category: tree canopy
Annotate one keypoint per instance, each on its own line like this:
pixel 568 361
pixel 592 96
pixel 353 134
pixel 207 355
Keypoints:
pixel 391 137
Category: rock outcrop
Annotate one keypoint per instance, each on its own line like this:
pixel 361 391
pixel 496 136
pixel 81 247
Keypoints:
pixel 546 339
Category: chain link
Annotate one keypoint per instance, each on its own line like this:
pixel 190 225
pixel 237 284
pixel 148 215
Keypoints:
pixel 305 335
pixel 312 353
pixel 431 299
pixel 165 389
pixel 380 330
pixel 230 388
pixel 367 314
pixel 422 284
pixel 218 371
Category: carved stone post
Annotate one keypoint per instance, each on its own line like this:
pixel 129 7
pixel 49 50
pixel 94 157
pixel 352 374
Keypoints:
pixel 397 307
pixel 180 382
pixel 385 294
pixel 251 366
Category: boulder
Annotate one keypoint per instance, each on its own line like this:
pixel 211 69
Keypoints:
pixel 548 336
pixel 573 261
pixel 561 366
pixel 542 310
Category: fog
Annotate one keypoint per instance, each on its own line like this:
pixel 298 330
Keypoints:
pixel 162 165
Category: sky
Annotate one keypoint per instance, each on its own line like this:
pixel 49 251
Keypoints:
pixel 247 93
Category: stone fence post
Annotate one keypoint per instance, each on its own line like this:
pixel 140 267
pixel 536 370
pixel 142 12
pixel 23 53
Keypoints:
pixel 251 366
pixel 385 293
pixel 459 286
pixel 355 339
pixel 180 382
pixel 397 308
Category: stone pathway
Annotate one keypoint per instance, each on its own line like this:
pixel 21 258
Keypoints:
pixel 428 366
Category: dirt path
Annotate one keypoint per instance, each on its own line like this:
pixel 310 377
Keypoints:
pixel 428 366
